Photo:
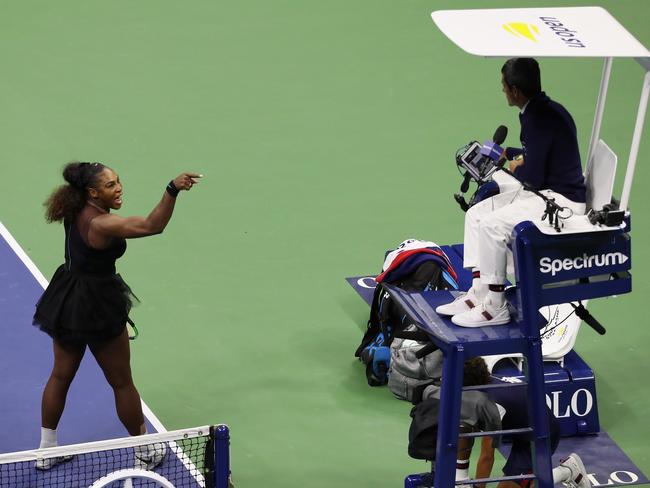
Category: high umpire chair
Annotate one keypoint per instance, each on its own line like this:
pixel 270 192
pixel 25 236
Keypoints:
pixel 584 260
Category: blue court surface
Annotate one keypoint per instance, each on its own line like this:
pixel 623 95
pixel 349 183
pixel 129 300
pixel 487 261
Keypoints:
pixel 604 460
pixel 25 363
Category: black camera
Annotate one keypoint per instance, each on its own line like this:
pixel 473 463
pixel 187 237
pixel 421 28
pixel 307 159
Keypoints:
pixel 609 216
pixel 478 162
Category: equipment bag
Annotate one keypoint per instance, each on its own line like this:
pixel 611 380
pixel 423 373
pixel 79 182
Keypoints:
pixel 423 431
pixel 413 266
pixel 407 373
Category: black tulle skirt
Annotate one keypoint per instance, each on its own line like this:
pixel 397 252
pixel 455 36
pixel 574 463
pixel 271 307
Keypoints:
pixel 83 308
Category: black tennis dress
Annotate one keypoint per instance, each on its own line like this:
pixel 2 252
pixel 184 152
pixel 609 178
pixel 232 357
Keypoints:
pixel 86 302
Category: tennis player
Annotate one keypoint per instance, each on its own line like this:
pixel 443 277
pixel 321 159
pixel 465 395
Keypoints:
pixel 87 303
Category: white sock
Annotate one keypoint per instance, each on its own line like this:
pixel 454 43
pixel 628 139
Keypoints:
pixel 496 298
pixel 48 438
pixel 480 290
pixel 561 473
pixel 476 283
pixel 462 469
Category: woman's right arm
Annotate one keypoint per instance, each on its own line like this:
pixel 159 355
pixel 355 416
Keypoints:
pixel 111 225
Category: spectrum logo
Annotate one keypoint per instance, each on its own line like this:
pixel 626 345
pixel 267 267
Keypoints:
pixel 553 266
pixel 522 30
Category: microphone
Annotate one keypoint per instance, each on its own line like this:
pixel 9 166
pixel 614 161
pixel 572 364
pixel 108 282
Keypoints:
pixel 460 200
pixel 492 149
pixel 589 319
pixel 465 184
pixel 500 134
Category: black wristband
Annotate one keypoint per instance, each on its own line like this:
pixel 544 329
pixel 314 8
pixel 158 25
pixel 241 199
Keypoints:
pixel 172 190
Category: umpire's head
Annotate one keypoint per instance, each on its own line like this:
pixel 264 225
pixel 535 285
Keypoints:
pixel 521 80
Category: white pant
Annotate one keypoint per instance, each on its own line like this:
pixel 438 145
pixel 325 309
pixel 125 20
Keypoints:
pixel 489 224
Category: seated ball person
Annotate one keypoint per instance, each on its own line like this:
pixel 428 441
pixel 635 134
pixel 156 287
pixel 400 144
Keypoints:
pixel 549 162
pixel 505 408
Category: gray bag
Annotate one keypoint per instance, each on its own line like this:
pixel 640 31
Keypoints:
pixel 407 372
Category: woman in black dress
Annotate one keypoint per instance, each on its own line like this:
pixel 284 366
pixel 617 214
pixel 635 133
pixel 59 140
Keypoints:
pixel 86 302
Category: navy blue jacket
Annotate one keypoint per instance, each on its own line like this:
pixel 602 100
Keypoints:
pixel 550 149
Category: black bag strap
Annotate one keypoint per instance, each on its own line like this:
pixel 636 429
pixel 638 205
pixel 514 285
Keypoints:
pixel 373 325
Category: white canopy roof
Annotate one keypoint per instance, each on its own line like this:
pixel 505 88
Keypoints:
pixel 539 32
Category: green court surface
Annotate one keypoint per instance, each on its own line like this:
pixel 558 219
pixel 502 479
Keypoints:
pixel 326 132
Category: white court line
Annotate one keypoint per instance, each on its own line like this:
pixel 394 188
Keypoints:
pixel 29 264
pixel 148 413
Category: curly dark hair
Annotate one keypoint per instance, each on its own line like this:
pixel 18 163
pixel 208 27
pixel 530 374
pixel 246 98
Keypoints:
pixel 475 372
pixel 67 200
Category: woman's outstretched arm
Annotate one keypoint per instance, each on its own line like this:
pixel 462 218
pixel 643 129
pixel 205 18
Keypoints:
pixel 110 225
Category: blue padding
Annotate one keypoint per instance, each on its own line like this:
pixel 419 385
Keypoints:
pixel 380 361
pixel 450 279
pixel 485 191
pixel 553 373
pixel 570 392
pixel 381 354
pixel 364 286
pixel 456 258
pixel 585 291
pixel 576 367
pixel 459 249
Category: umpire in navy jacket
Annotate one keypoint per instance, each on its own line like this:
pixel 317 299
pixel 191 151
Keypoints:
pixel 548 161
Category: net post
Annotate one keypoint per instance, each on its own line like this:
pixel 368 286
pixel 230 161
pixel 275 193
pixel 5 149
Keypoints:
pixel 221 456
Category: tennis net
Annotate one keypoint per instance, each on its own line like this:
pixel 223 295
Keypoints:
pixel 181 458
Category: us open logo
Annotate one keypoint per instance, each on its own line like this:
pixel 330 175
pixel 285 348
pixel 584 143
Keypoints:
pixel 522 30
pixel 568 36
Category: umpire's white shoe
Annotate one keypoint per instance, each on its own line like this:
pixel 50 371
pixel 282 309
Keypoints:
pixel 150 456
pixel 462 303
pixel 579 478
pixel 483 315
